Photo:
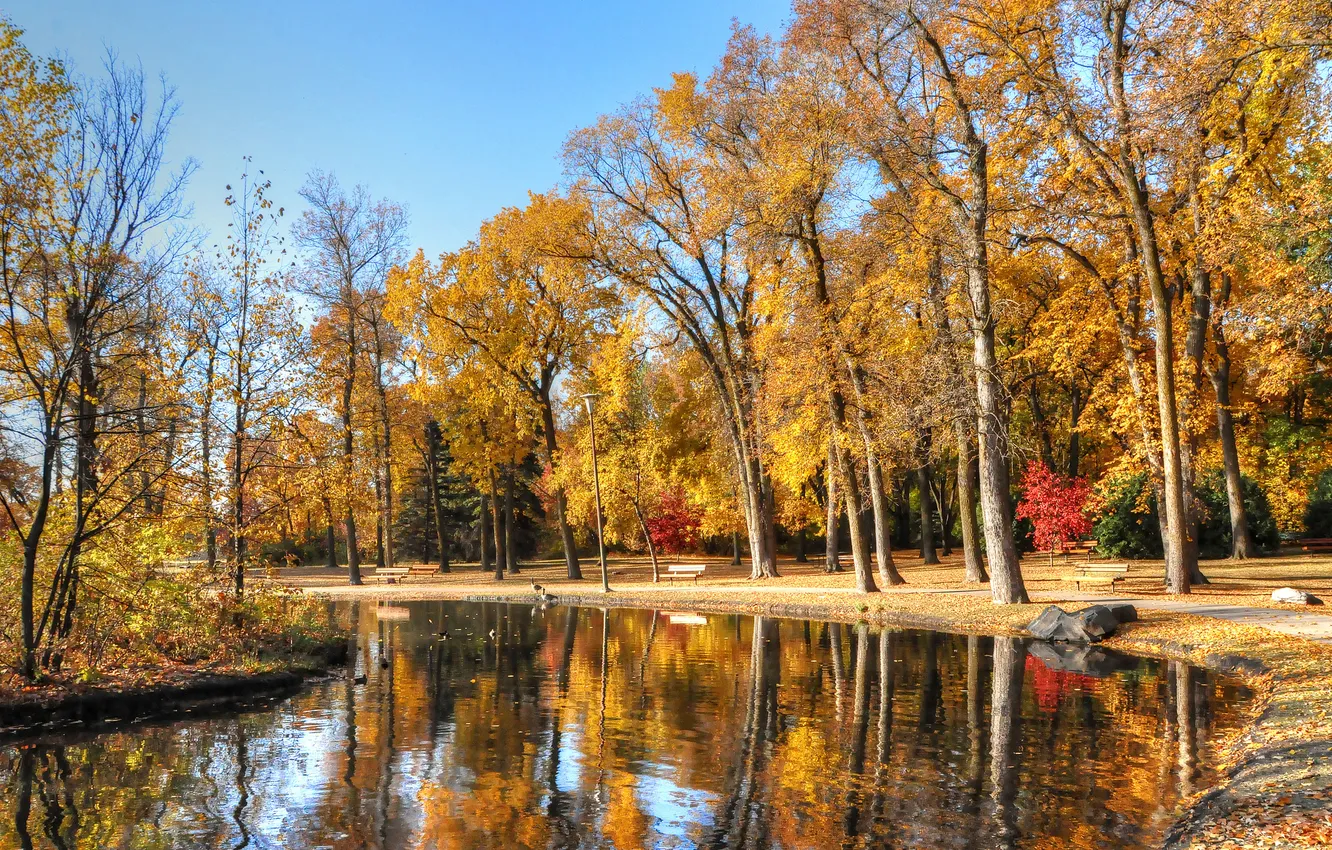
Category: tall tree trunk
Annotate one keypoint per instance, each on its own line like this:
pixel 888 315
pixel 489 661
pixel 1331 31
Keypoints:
pixel 510 551
pixel 1242 544
pixel 1074 435
pixel 436 498
pixel 239 550
pixel 1006 585
pixel 1038 420
pixel 1195 341
pixel 497 521
pixel 379 509
pixel 883 539
pixel 883 544
pixel 966 504
pixel 944 502
pixel 572 568
pixel 1181 555
pixel 348 452
pixel 32 547
pixel 832 563
pixel 386 454
pixel 206 460
pixel 330 539
pixel 902 506
pixel 927 553
pixel 860 554
pixel 484 529
pixel 647 536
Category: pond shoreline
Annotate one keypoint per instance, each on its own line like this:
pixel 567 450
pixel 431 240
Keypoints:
pixel 1275 772
pixel 44 711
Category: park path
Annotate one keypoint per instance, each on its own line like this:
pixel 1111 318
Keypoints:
pixel 1311 624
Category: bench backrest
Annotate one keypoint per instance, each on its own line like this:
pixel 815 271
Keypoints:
pixel 1103 568
pixel 686 568
pixel 391 571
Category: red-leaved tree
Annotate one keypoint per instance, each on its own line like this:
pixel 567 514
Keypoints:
pixel 675 524
pixel 1055 505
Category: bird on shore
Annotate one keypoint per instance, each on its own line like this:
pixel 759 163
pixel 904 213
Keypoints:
pixel 538 589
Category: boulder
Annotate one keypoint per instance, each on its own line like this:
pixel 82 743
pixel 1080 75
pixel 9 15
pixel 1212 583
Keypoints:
pixel 1296 597
pixel 1090 625
pixel 1098 621
pixel 1124 612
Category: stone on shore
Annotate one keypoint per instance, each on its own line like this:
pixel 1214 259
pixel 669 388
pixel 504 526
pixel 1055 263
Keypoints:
pixel 1090 625
pixel 1295 597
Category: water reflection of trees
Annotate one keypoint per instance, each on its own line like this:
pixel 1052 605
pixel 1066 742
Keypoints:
pixel 582 727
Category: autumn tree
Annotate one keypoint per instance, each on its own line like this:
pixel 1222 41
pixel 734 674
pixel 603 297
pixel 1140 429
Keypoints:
pixel 1055 506
pixel 519 301
pixel 258 342
pixel 665 228
pixel 926 117
pixel 352 241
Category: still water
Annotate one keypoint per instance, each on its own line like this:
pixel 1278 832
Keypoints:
pixel 577 727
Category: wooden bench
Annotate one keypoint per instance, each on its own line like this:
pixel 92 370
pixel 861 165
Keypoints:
pixel 1082 548
pixel 684 570
pixel 1097 574
pixel 390 575
pixel 422 570
pixel 1317 545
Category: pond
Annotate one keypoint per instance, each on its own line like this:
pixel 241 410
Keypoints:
pixel 626 728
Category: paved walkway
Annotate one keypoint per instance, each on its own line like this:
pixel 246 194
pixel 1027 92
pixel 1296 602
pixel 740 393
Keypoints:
pixel 1313 624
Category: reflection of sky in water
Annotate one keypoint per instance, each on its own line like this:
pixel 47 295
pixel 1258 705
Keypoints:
pixel 692 738
pixel 676 812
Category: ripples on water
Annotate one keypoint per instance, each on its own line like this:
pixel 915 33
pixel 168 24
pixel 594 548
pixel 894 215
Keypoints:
pixel 631 729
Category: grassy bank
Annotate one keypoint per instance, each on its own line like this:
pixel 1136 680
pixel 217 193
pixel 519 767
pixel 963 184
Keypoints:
pixel 180 642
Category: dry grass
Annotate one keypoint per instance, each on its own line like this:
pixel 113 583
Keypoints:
pixel 1233 583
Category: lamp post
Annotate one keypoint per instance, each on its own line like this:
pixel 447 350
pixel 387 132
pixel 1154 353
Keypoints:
pixel 596 485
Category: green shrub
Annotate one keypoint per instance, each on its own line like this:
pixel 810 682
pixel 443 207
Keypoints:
pixel 1214 537
pixel 1318 515
pixel 1127 526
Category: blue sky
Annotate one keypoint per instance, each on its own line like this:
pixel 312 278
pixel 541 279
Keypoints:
pixel 454 109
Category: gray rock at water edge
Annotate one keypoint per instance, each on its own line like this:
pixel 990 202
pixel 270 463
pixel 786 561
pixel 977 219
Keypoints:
pixel 1297 597
pixel 1124 612
pixel 1090 625
pixel 1098 621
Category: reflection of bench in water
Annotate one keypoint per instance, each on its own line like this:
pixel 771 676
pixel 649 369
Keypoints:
pixel 1097 574
pixel 685 570
pixel 688 620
